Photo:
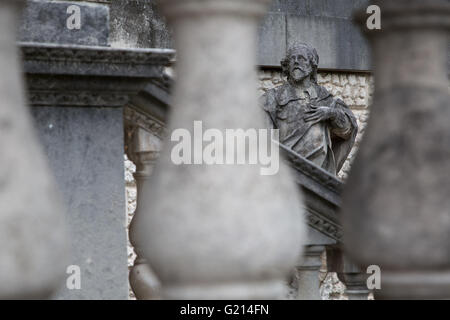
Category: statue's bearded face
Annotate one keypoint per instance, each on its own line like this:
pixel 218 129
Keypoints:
pixel 299 65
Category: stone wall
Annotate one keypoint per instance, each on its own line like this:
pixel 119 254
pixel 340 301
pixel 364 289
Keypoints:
pixel 131 196
pixel 325 24
pixel 137 24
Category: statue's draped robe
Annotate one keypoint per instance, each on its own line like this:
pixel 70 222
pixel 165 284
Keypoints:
pixel 326 143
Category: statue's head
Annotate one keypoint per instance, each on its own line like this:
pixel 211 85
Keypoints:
pixel 301 61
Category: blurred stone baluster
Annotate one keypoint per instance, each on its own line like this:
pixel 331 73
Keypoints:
pixel 218 231
pixel 400 179
pixel 143 150
pixel 32 231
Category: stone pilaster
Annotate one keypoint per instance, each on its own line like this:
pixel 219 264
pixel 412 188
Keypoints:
pixel 400 220
pixel 218 231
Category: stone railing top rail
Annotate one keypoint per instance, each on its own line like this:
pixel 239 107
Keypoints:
pixel 322 194
pixel 322 177
pixel 142 55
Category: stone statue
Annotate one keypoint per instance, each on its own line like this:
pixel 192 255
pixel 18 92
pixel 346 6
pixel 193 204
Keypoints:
pixel 311 121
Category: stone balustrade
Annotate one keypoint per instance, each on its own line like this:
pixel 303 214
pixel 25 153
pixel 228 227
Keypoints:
pixel 216 231
pixel 401 221
pixel 207 231
pixel 143 147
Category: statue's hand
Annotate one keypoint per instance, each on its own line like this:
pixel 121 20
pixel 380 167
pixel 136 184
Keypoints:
pixel 319 113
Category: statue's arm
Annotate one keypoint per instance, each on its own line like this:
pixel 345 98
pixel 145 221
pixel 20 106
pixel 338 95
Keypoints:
pixel 269 105
pixel 343 120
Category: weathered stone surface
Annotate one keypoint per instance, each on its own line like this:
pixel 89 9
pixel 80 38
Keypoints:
pixel 272 39
pixel 143 148
pixel 333 8
pixel 32 228
pixel 131 197
pixel 297 6
pixel 85 150
pixel 90 76
pixel 326 24
pixel 138 24
pixel 46 21
pixel 339 42
pixel 400 177
pixel 318 8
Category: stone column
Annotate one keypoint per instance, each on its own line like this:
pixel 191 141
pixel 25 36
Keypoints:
pixel 355 284
pixel 308 274
pixel 396 206
pixel 353 276
pixel 32 233
pixel 143 150
pixel 218 231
